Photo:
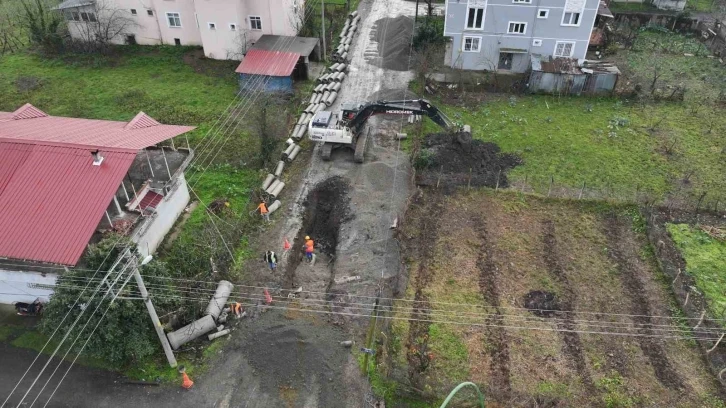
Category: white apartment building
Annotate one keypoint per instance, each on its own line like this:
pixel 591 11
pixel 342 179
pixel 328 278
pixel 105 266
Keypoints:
pixel 224 28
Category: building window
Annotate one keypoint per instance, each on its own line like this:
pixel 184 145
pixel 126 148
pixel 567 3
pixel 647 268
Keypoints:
pixel 69 15
pixel 475 18
pixel 84 16
pixel 177 41
pixel 233 26
pixel 472 44
pixel 92 17
pixel 536 42
pixel 571 19
pixel 543 13
pixel 150 13
pixel 522 1
pixel 212 26
pixel 76 16
pixel 133 12
pixel 564 49
pixel 256 22
pixel 174 19
pixel 517 28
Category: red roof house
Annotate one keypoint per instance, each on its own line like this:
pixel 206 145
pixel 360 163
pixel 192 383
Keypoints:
pixel 58 177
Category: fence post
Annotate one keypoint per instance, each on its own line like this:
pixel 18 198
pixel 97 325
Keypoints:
pixel 552 180
pixel 499 173
pixel 582 190
pixel 525 183
pixel 468 187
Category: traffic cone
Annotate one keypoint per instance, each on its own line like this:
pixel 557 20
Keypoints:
pixel 187 383
pixel 268 298
pixel 286 246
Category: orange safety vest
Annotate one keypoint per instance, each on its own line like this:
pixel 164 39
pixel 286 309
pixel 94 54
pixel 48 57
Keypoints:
pixel 309 245
pixel 263 208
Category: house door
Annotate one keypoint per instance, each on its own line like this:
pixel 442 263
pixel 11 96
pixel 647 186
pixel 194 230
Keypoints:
pixel 505 60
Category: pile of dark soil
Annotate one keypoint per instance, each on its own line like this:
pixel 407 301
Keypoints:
pixel 394 42
pixel 326 209
pixel 541 303
pixel 454 159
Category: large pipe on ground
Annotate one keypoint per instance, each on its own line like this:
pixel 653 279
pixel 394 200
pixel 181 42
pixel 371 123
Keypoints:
pixel 331 98
pixel 301 121
pixel 333 67
pixel 312 97
pixel 309 108
pixel 215 306
pixel 353 14
pixel 191 331
pixel 300 132
pixel 287 151
pixel 279 168
pixel 274 207
pixel 272 186
pixel 318 88
pixel 218 334
pixel 278 189
pixel 336 87
pixel 294 154
pixel 321 106
pixel 268 180
pixel 341 67
pixel 318 97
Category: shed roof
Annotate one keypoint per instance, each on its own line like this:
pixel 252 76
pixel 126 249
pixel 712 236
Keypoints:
pixel 299 45
pixel 73 3
pixel 272 63
pixel 52 197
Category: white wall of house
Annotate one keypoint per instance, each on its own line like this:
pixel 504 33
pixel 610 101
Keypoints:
pixel 20 286
pixel 149 234
pixel 237 23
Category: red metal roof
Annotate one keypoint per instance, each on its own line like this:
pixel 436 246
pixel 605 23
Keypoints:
pixel 52 198
pixel 272 63
pixel 151 200
pixel 32 124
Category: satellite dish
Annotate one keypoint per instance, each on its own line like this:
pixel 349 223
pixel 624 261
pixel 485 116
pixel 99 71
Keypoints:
pixel 147 260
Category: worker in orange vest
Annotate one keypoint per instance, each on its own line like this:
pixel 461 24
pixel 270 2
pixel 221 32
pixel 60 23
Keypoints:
pixel 263 211
pixel 236 309
pixel 309 248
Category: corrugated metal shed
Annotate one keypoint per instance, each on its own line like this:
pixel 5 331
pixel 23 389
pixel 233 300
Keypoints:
pixel 271 63
pixel 53 197
pixel 566 76
pixel 32 124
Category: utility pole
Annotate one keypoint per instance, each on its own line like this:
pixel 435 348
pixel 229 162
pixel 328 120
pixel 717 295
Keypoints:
pixel 152 312
pixel 415 19
pixel 323 16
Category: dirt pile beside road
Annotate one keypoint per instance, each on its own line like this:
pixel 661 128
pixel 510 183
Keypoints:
pixel 454 159
pixel 394 42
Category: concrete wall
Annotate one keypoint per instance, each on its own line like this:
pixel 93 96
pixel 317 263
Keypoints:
pixel 151 232
pixel 279 17
pixel 19 286
pixel 540 37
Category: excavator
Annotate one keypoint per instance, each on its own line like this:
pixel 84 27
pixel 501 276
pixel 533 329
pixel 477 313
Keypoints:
pixel 344 129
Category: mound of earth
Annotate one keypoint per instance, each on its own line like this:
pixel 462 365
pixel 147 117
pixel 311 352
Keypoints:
pixel 455 159
pixel 394 42
pixel 541 303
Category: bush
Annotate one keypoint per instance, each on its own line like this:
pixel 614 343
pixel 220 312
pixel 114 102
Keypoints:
pixel 428 33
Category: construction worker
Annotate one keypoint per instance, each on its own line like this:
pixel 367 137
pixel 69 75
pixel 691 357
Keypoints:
pixel 271 259
pixel 309 248
pixel 236 309
pixel 263 211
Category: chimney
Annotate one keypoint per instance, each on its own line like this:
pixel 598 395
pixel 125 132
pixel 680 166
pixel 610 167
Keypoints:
pixel 97 158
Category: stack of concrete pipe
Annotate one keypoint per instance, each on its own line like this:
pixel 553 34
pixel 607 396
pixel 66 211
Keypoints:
pixel 346 37
pixel 207 323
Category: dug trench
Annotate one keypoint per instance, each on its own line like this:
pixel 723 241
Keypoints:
pixel 326 208
pixel 621 252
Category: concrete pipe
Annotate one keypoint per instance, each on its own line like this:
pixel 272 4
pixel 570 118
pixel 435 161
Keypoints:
pixel 342 67
pixel 321 106
pixel 353 14
pixel 331 98
pixel 320 78
pixel 278 189
pixel 294 154
pixel 356 19
pixel 312 98
pixel 301 132
pixel 307 120
pixel 347 41
pixel 191 331
pixel 344 56
pixel 318 97
pixel 346 47
pixel 333 67
pixel 268 180
pixel 336 87
pixel 287 151
pixel 218 334
pixel 279 168
pixel 346 24
pixel 216 305
pixel 274 207
pixel 325 96
pixel 309 108
pixel 272 186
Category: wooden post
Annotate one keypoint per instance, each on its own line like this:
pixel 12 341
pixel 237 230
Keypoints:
pixel 552 181
pixel 698 205
pixel 499 173
pixel 525 182
pixel 688 294
pixel 187 139
pixel 469 186
pixel 439 180
pixel 582 190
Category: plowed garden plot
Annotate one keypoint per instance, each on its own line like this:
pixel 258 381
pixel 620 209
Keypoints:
pixel 542 303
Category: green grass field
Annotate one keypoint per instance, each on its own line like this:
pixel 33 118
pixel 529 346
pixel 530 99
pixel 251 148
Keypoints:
pixel 705 257
pixel 605 143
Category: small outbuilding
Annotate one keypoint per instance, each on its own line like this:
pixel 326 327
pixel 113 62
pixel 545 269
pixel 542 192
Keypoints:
pixel 567 76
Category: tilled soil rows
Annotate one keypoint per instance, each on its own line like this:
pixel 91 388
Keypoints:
pixel 455 159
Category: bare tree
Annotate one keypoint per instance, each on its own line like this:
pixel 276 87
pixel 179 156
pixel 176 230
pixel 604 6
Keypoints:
pixel 42 24
pixel 97 26
pixel 270 124
pixel 11 31
pixel 242 43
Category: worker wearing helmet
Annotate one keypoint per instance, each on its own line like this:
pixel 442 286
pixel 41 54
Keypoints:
pixel 309 248
pixel 262 208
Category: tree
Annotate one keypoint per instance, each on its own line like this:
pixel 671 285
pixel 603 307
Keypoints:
pixel 42 24
pixel 126 333
pixel 271 126
pixel 104 24
pixel 11 31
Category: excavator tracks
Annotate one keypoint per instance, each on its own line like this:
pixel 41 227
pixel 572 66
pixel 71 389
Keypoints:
pixel 326 151
pixel 360 146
